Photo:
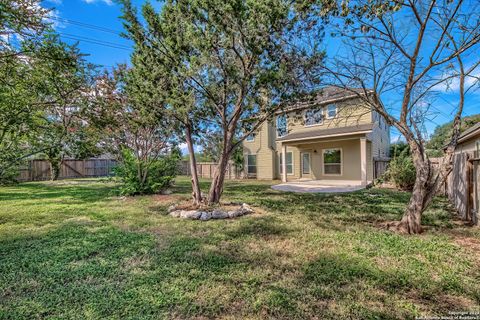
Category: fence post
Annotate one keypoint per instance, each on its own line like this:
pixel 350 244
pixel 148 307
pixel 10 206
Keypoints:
pixel 468 212
pixel 30 170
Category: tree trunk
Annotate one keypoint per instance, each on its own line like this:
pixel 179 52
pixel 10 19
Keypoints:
pixel 197 193
pixel 422 193
pixel 54 169
pixel 216 188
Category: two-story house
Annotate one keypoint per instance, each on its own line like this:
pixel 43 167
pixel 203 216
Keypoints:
pixel 330 135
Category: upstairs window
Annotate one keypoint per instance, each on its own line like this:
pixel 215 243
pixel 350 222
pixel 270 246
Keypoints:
pixel 313 116
pixel 250 137
pixel 331 111
pixel 282 125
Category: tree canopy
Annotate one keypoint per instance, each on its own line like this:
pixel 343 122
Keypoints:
pixel 230 62
pixel 442 134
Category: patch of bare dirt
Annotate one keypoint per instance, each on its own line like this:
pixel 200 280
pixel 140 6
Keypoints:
pixel 470 244
pixel 165 198
pixel 443 303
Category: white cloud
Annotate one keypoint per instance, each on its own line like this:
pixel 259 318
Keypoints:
pixel 453 85
pixel 108 2
pixel 53 18
pixel 184 148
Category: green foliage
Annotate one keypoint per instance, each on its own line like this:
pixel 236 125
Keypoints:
pixel 25 19
pixel 40 99
pixel 145 177
pixel 401 171
pixel 212 149
pixel 9 176
pixel 84 142
pixel 396 149
pixel 443 134
pixel 233 61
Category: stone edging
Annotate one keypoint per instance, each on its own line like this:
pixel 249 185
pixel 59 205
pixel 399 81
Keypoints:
pixel 204 215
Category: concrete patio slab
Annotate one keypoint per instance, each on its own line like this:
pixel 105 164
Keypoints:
pixel 320 186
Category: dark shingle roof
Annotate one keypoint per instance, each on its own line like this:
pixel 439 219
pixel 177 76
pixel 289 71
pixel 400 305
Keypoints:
pixel 323 133
pixel 323 96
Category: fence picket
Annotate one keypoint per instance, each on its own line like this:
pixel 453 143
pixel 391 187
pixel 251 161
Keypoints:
pixel 38 170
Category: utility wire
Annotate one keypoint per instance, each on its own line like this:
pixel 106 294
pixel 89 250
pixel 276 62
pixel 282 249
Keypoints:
pixel 97 42
pixel 91 40
pixel 86 25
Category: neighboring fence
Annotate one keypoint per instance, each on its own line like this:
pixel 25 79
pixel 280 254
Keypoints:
pixel 463 186
pixel 380 165
pixel 36 170
pixel 206 170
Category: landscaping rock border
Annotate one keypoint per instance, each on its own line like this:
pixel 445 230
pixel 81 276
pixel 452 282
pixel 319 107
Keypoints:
pixel 204 215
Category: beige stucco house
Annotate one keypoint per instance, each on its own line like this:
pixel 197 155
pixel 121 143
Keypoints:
pixel 331 135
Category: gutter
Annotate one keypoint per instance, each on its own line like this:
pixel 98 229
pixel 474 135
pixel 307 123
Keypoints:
pixel 327 136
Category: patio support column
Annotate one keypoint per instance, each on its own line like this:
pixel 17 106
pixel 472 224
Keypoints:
pixel 363 160
pixel 284 163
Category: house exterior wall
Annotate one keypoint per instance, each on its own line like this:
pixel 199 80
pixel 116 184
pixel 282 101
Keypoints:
pixel 380 137
pixel 350 159
pixel 349 113
pixel 262 147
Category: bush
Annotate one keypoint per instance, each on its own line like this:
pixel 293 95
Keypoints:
pixel 8 176
pixel 141 177
pixel 401 171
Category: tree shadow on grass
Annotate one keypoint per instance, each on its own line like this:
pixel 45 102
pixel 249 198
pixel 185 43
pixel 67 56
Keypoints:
pixel 101 271
pixel 96 270
pixel 344 278
pixel 86 193
pixel 263 227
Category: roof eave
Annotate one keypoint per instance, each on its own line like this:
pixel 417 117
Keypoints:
pixel 326 136
pixel 318 103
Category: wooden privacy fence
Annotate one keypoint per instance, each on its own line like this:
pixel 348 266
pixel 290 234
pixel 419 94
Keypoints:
pixel 36 170
pixel 463 186
pixel 206 170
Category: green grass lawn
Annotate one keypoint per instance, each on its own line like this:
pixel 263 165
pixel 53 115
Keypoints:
pixel 75 249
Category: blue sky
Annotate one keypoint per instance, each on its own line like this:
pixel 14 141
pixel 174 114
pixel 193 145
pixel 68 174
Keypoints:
pixel 95 24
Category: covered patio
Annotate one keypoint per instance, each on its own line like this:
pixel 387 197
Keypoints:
pixel 320 186
pixel 327 159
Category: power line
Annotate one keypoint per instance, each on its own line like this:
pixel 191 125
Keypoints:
pixel 87 25
pixel 97 42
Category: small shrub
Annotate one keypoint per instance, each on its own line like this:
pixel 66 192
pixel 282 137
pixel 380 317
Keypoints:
pixel 8 176
pixel 401 171
pixel 142 177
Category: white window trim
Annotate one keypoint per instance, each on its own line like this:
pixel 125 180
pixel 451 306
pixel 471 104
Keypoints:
pixel 341 163
pixel 280 163
pixel 250 140
pixel 336 111
pixel 322 110
pixel 286 125
pixel 309 163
